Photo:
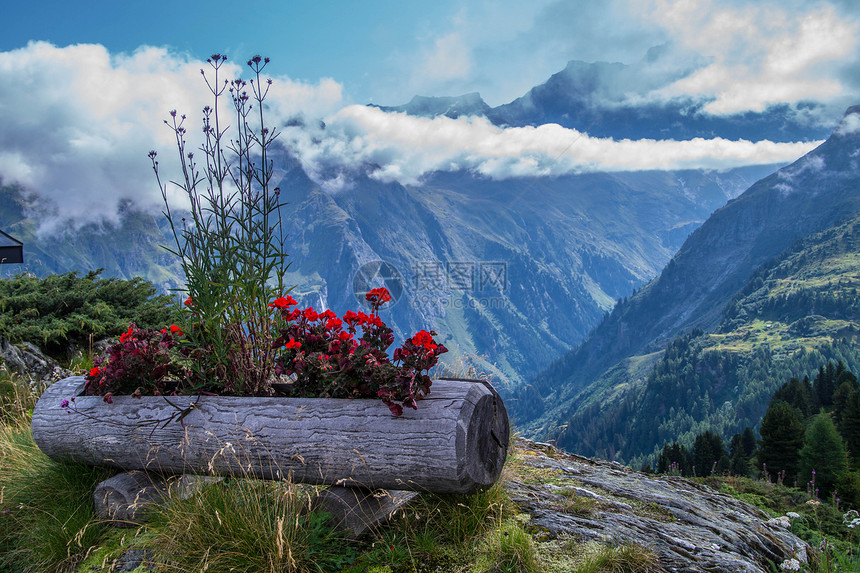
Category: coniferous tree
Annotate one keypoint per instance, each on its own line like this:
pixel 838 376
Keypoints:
pixel 849 424
pixel 741 451
pixel 782 435
pixel 674 457
pixel 824 453
pixel 708 451
pixel 748 441
pixel 840 396
pixel 824 385
pixel 797 394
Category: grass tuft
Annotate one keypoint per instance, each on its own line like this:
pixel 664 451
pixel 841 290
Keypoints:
pixel 243 525
pixel 507 549
pixel 47 520
pixel 626 558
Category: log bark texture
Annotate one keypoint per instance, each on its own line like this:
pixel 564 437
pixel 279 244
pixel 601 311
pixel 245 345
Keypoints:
pixel 456 442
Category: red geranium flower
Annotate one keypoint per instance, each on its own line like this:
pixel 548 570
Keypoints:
pixel 328 315
pixel 283 302
pixel 310 314
pixel 423 338
pixel 176 330
pixel 333 324
pixel 126 335
pixel 351 318
pixel 293 344
pixel 94 371
pixel 378 295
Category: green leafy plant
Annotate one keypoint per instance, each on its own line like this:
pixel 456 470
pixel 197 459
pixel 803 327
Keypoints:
pixel 140 363
pixel 231 246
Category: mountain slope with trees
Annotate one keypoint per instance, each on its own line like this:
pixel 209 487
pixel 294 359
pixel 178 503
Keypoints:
pixel 795 313
pixel 715 262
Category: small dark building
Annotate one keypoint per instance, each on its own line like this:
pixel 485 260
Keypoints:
pixel 11 249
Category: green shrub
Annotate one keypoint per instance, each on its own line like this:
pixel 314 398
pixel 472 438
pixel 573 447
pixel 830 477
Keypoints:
pixel 60 310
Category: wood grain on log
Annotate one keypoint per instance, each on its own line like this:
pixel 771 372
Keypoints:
pixel 456 442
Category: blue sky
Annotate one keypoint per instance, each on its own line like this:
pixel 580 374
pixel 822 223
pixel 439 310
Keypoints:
pixel 385 51
pixel 84 85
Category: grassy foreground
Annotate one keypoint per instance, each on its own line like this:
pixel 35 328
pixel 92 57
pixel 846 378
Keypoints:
pixel 47 524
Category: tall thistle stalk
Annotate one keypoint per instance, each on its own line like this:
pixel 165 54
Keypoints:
pixel 231 246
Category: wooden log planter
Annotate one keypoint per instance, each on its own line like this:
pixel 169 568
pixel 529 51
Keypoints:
pixel 456 442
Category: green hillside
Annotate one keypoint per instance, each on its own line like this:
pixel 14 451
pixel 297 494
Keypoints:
pixel 714 263
pixel 795 313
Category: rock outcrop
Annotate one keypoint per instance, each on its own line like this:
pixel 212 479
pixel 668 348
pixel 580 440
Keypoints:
pixel 690 527
pixel 27 360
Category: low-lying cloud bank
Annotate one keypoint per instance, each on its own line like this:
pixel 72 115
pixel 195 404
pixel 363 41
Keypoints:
pixel 403 148
pixel 78 123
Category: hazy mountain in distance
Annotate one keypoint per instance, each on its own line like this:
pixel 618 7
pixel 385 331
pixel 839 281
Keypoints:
pixel 808 196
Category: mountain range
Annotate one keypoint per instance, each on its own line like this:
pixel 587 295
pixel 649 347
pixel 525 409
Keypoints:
pixel 512 273
pixel 601 98
pixel 744 296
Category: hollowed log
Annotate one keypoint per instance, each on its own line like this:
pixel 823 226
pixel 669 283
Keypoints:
pixel 455 442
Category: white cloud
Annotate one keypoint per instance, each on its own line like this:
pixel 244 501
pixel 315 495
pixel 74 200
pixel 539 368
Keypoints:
pixel 759 54
pixel 403 148
pixel 78 122
pixel 849 124
pixel 449 59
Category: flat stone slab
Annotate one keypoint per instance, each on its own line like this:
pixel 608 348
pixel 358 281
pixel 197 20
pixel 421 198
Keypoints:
pixel 125 499
pixel 358 510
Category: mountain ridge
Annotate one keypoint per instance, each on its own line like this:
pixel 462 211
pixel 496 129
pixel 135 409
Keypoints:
pixel 695 287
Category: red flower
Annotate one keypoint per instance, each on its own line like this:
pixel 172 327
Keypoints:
pixel 310 314
pixel 328 315
pixel 94 371
pixel 293 344
pixel 333 324
pixel 423 338
pixel 176 330
pixel 189 302
pixel 378 295
pixel 343 335
pixel 283 302
pixel 352 318
pixel 126 335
